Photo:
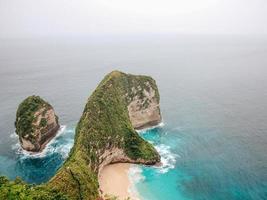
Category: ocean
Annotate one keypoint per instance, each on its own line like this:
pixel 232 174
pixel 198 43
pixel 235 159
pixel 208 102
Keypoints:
pixel 213 139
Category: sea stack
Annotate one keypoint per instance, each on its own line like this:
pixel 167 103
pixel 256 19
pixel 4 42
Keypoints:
pixel 36 123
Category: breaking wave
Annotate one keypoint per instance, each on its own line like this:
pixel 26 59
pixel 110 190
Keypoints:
pixel 168 159
pixel 40 167
pixel 161 124
pixel 135 176
pixel 58 144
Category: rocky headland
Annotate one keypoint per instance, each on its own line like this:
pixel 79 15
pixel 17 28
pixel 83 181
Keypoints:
pixel 105 134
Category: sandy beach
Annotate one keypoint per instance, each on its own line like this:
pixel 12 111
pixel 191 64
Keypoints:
pixel 114 180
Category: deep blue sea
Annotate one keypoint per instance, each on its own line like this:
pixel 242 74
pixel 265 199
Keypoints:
pixel 213 101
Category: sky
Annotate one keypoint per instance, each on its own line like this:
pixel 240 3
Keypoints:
pixel 38 18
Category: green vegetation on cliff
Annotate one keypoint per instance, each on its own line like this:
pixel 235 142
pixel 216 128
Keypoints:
pixel 18 190
pixel 36 123
pixel 25 115
pixel 103 135
pixel 104 125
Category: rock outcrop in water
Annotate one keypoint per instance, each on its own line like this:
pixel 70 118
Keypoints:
pixel 36 123
pixel 105 133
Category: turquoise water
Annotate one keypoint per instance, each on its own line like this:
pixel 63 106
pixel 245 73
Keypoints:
pixel 190 171
pixel 213 101
pixel 40 167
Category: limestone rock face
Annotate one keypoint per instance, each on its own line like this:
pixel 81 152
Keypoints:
pixel 143 108
pixel 36 123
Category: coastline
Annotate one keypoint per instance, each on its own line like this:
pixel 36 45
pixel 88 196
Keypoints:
pixel 114 180
pixel 44 151
pixel 49 136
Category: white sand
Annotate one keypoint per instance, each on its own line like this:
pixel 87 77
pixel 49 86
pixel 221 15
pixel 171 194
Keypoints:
pixel 114 180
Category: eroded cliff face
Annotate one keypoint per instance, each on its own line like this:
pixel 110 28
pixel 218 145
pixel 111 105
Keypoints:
pixel 143 108
pixel 36 123
pixel 106 133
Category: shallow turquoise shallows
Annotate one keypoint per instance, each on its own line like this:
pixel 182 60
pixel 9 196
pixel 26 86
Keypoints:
pixel 213 143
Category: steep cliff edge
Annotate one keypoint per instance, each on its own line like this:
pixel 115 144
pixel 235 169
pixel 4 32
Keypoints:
pixel 105 133
pixel 143 102
pixel 36 123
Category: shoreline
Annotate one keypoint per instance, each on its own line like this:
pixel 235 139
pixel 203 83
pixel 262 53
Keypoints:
pixel 43 152
pixel 51 135
pixel 114 180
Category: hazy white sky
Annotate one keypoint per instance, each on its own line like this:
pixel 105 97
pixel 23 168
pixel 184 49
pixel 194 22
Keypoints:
pixel 30 18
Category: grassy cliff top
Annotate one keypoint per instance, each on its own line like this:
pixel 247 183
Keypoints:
pixel 25 114
pixel 128 82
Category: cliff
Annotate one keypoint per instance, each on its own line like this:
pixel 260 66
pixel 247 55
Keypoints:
pixel 143 102
pixel 105 133
pixel 36 123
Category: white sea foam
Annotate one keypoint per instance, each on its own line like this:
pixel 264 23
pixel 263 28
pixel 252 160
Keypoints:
pixel 135 176
pixel 168 159
pixel 135 172
pixel 62 148
pixel 15 146
pixel 161 124
pixel 14 135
